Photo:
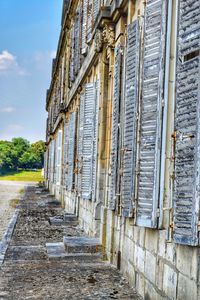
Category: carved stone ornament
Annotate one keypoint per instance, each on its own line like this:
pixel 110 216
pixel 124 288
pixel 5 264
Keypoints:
pixel 109 35
pixel 98 41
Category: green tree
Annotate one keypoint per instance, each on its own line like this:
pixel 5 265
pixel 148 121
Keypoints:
pixel 19 153
pixel 21 145
pixel 29 160
pixel 8 156
pixel 39 149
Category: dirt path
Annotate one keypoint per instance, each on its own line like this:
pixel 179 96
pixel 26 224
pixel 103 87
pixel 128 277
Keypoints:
pixel 8 190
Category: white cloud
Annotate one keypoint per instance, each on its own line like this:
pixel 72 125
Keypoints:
pixel 8 63
pixel 7 109
pixel 41 56
pixel 53 54
pixel 14 128
pixel 11 131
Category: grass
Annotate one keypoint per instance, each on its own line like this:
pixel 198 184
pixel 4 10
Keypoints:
pixel 23 175
pixel 14 203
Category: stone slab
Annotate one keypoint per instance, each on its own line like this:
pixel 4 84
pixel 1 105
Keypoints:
pixel 7 236
pixel 63 220
pixel 56 251
pixel 82 244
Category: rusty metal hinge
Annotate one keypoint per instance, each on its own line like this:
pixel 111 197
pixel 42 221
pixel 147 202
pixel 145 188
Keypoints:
pixel 199 226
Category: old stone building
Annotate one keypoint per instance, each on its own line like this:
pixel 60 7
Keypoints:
pixel 123 138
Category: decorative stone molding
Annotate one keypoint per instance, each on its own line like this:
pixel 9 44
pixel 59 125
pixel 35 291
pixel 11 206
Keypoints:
pixel 109 36
pixel 98 41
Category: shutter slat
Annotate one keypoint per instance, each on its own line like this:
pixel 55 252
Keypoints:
pixel 151 113
pixel 187 151
pixel 71 148
pixel 96 8
pixel 130 118
pixel 84 27
pixel 58 157
pixel 95 142
pixel 72 54
pixel 115 129
pixel 89 20
pixel 80 143
pixel 55 162
pixel 77 39
pixel 66 151
pixel 88 138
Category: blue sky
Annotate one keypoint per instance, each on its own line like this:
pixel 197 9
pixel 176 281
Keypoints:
pixel 29 32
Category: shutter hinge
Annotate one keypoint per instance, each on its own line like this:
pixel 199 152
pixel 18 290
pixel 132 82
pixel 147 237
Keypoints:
pixel 163 102
pixel 173 135
pixel 158 213
pixel 199 226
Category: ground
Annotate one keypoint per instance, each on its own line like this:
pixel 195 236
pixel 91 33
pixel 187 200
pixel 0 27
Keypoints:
pixel 29 273
pixel 22 175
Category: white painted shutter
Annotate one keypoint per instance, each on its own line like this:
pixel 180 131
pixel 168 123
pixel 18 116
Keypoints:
pixel 115 127
pixel 88 137
pixel 96 8
pixel 187 126
pixel 72 54
pixel 77 31
pixel 58 157
pixel 71 151
pixel 53 155
pixel 65 152
pixel 130 118
pixel 84 27
pixel 45 164
pixel 49 163
pixel 151 113
pixel 95 141
pixel 89 20
pixel 80 143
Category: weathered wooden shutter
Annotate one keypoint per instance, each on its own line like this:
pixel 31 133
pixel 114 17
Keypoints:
pixel 62 79
pixel 187 125
pixel 53 174
pixel 65 152
pixel 151 112
pixel 59 157
pixel 115 127
pixel 130 117
pixel 89 20
pixel 49 163
pixel 72 54
pixel 77 41
pixel 88 137
pixel 96 8
pixel 80 143
pixel 84 27
pixel 95 141
pixel 71 151
pixel 45 164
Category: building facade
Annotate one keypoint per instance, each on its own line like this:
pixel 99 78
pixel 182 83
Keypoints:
pixel 123 137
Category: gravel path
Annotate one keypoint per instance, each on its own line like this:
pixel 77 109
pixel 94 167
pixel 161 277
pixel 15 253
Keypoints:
pixel 8 190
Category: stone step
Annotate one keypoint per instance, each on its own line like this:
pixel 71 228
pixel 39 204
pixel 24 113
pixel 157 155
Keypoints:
pixel 82 244
pixel 67 219
pixel 70 218
pixel 56 251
